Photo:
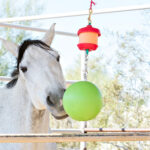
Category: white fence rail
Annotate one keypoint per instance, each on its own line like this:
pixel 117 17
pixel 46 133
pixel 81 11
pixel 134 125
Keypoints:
pixel 4 79
pixel 6 25
pixel 77 13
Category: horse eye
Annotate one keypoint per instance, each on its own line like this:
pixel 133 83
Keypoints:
pixel 24 69
pixel 58 58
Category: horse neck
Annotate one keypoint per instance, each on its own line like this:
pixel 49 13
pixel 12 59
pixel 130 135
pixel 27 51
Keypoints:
pixel 18 105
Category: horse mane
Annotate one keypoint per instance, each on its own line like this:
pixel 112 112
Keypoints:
pixel 21 51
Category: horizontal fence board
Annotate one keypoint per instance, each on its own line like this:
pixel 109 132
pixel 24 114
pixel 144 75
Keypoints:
pixel 50 138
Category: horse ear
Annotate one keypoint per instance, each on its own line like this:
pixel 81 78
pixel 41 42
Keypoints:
pixel 10 46
pixel 48 38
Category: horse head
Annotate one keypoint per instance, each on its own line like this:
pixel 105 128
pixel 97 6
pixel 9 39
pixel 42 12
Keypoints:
pixel 39 71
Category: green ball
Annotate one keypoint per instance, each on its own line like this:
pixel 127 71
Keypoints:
pixel 82 101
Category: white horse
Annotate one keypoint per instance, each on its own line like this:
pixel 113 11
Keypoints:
pixel 37 88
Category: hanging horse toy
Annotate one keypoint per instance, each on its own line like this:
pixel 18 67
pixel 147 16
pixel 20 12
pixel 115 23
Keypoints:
pixel 82 101
pixel 88 36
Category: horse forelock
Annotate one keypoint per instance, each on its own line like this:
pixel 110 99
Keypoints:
pixel 22 48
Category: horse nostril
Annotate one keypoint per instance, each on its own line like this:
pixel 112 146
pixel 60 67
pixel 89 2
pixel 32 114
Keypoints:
pixel 62 91
pixel 49 101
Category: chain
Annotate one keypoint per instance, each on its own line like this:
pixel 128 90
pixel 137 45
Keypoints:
pixel 89 18
pixel 90 12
